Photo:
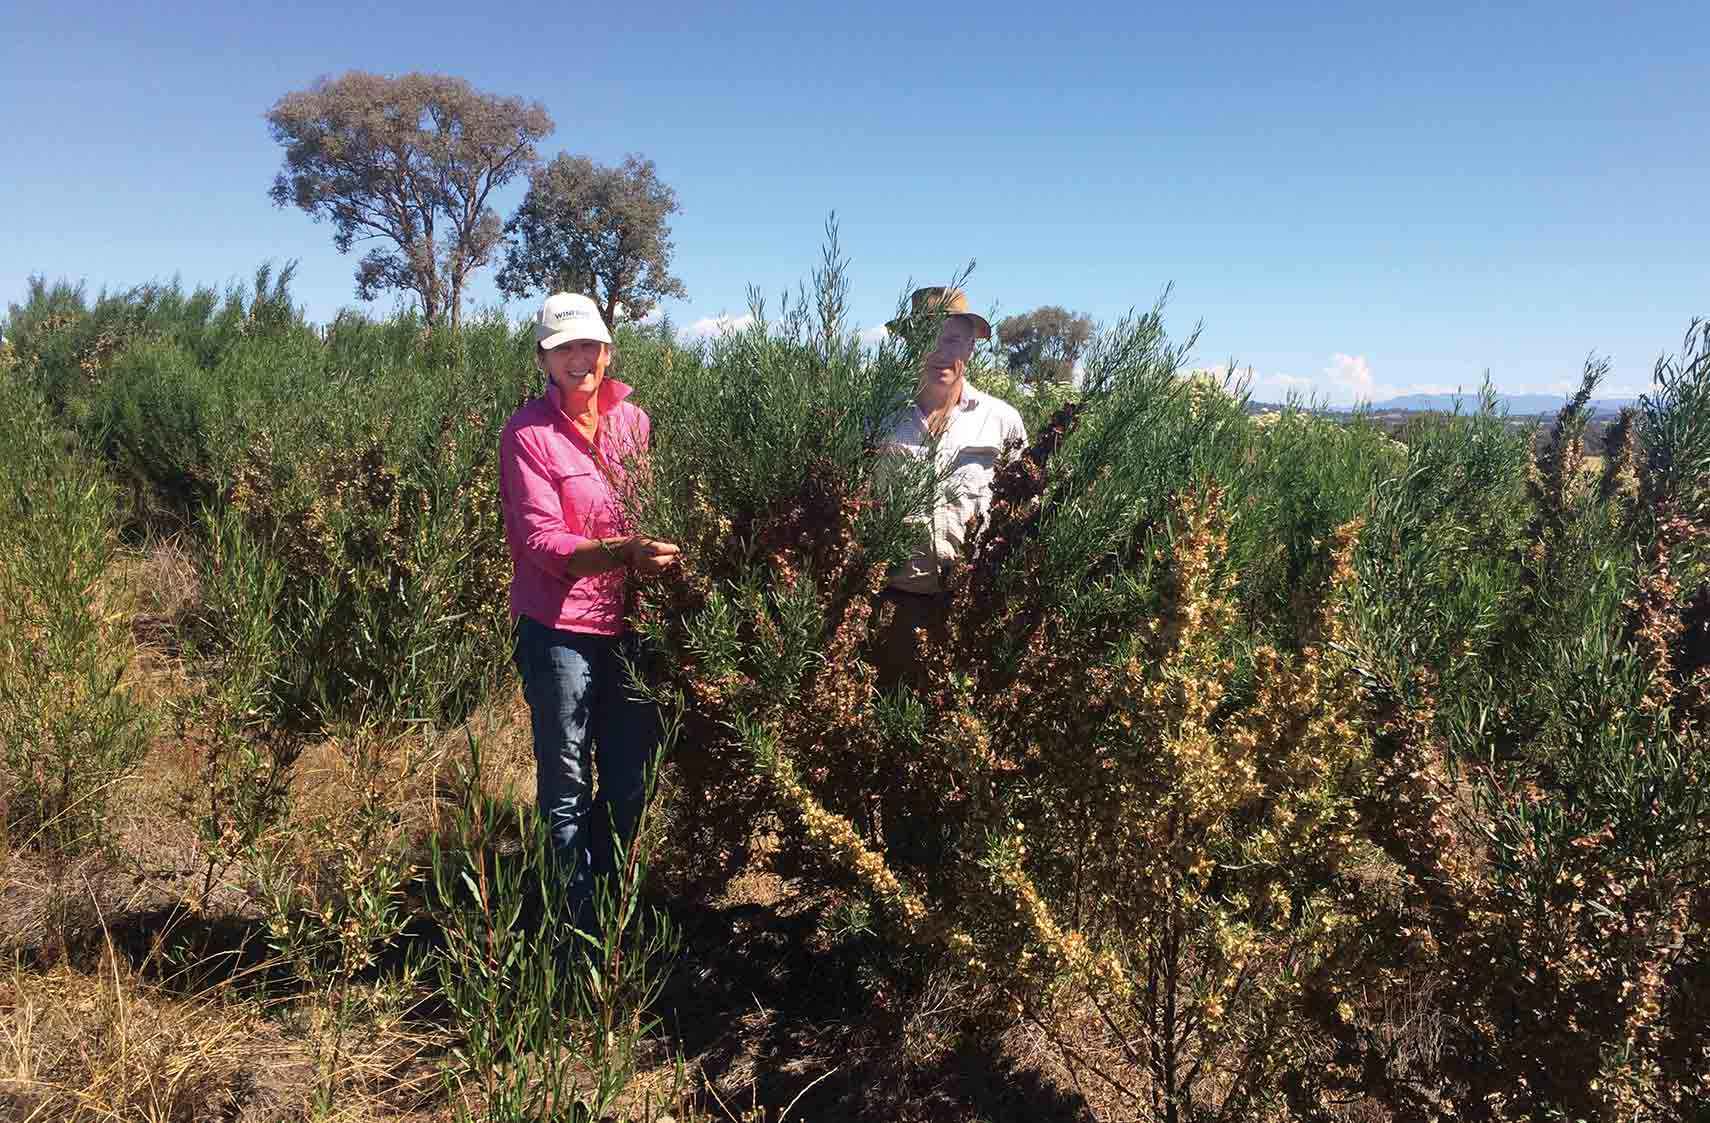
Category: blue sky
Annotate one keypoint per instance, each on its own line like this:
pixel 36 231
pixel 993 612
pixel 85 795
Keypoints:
pixel 1352 198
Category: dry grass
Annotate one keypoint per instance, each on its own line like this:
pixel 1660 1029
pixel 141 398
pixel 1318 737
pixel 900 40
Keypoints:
pixel 106 1045
pixel 102 1045
pixel 159 592
pixel 163 590
pixel 87 1030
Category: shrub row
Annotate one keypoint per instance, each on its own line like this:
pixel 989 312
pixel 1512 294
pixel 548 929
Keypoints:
pixel 353 464
pixel 1262 766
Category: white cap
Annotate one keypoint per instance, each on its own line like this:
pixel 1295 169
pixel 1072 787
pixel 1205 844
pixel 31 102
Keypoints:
pixel 568 315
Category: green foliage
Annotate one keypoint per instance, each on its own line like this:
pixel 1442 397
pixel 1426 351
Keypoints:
pixel 1306 471
pixel 245 778
pixel 786 401
pixel 1440 572
pixel 1316 766
pixel 409 161
pixel 761 437
pixel 594 230
pixel 355 463
pixel 69 731
pixel 1232 726
pixel 1035 403
pixel 548 1018
pixel 65 346
pixel 1043 346
pixel 1540 759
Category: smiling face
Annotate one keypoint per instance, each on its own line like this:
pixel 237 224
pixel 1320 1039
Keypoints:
pixel 577 367
pixel 948 360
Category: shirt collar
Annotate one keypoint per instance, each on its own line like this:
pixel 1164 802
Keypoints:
pixel 971 400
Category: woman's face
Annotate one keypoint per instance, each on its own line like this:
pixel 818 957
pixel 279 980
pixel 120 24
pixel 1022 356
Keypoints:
pixel 577 367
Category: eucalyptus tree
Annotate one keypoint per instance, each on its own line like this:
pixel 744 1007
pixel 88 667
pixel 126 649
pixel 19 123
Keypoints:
pixel 602 231
pixel 409 163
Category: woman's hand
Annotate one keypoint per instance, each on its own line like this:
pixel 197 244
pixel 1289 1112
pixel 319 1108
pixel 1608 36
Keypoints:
pixel 649 556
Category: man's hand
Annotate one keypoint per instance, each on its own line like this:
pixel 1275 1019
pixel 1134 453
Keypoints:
pixel 648 556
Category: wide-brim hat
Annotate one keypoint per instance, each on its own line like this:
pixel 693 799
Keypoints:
pixel 565 316
pixel 937 300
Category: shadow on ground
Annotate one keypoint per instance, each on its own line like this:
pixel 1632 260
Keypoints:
pixel 774 1021
pixel 773 1013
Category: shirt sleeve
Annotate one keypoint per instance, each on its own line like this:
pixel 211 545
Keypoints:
pixel 534 513
pixel 1017 428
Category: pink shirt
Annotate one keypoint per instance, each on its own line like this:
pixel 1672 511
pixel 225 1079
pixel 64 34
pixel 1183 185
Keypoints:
pixel 555 496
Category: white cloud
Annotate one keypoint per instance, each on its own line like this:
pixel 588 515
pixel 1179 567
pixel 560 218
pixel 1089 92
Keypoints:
pixel 1347 379
pixel 709 327
pixel 1279 387
pixel 875 335
pixel 1351 375
pixel 654 315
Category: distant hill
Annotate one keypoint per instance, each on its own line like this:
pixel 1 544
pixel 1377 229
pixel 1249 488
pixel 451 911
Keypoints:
pixel 1517 404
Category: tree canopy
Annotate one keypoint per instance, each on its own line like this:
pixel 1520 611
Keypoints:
pixel 410 163
pixel 602 231
pixel 1043 345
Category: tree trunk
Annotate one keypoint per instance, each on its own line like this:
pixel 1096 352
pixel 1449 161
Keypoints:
pixel 433 302
pixel 608 307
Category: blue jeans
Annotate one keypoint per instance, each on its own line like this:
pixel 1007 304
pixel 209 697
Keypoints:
pixel 583 713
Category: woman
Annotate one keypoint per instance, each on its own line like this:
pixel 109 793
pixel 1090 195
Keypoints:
pixel 561 470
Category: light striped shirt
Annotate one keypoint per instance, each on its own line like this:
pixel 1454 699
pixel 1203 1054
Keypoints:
pixel 966 460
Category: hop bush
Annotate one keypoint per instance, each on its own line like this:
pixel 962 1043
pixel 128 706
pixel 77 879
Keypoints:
pixel 69 729
pixel 1262 766
pixel 357 462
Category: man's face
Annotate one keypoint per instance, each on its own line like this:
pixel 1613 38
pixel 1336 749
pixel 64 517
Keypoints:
pixel 577 366
pixel 948 360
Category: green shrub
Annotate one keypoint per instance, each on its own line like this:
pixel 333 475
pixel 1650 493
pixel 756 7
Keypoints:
pixel 66 344
pixel 68 728
pixel 1237 733
pixel 547 1019
pixel 359 463
pixel 1263 765
pixel 1307 471
pixel 243 788
pixel 1539 773
pixel 762 445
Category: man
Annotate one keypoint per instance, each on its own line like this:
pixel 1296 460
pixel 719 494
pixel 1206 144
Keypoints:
pixel 963 431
